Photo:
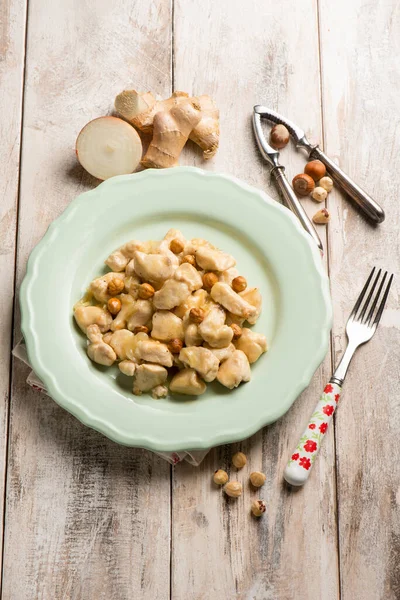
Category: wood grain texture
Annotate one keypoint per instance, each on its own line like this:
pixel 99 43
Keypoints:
pixel 12 51
pixel 361 78
pixel 85 517
pixel 241 58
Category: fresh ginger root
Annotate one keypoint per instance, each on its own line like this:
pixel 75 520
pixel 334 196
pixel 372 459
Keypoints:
pixel 171 129
pixel 141 108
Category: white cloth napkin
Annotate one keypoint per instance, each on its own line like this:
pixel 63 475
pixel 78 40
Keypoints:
pixel 193 457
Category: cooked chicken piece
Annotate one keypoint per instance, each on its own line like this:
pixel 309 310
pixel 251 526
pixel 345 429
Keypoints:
pixel 201 360
pixel 228 276
pixel 132 283
pixel 174 234
pixel 192 335
pixel 252 344
pixel 222 353
pixel 187 382
pixel 118 260
pixel 213 330
pixel 92 315
pixel 132 352
pixel 153 267
pixel 171 294
pixel 177 289
pixel 97 350
pixel 230 319
pixel 130 268
pixel 107 337
pixel 193 245
pixel 160 391
pixel 127 308
pixel 141 314
pixel 196 300
pixel 99 286
pixel 127 367
pixel 234 370
pixel 166 326
pixel 253 297
pixel 154 352
pixel 148 377
pixel 190 276
pixel 236 304
pixel 212 259
pixel 122 341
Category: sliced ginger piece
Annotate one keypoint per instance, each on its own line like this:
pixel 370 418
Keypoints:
pixel 108 146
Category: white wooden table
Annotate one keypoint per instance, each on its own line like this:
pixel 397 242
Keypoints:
pixel 87 519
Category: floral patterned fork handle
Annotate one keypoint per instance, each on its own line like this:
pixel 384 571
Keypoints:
pixel 302 459
pixel 360 328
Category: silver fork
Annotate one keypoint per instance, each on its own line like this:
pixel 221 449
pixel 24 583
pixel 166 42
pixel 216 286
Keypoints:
pixel 361 326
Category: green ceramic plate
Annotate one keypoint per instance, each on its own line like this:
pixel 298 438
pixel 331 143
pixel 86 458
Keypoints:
pixel 272 251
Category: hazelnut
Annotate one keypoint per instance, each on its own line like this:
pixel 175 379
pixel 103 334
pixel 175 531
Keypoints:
pixel 196 315
pixel 176 246
pixel 175 346
pixel 315 169
pixel 114 305
pixel 326 183
pixel 258 507
pixel 303 184
pixel 279 136
pixel 239 460
pixel 321 217
pixel 257 478
pixel 319 194
pixel 145 291
pixel 239 284
pixel 209 279
pixel 237 332
pixel 220 477
pixel 189 258
pixel 115 287
pixel 141 329
pixel 233 489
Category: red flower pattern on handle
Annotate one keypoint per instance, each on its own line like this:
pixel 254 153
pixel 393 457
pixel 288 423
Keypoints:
pixel 303 457
pixel 310 446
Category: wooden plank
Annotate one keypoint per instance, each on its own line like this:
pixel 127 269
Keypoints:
pixel 246 57
pixel 12 51
pixel 85 517
pixel 361 79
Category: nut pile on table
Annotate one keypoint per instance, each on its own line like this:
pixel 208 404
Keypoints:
pixel 313 181
pixel 234 489
pixel 172 304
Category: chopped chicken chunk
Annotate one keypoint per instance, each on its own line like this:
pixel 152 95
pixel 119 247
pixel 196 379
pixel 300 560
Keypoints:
pixel 148 377
pixel 122 341
pixel 166 326
pixel 187 382
pixel 128 306
pixel 228 276
pixel 160 391
pixel 141 314
pixel 127 367
pixel 222 353
pixel 192 335
pixel 197 299
pixel 202 360
pixel 99 286
pixel 98 351
pixel 92 315
pixel 118 260
pixel 213 329
pixel 236 304
pixel 153 267
pixel 234 370
pixel 177 289
pixel 252 344
pixel 154 352
pixel 212 259
pixel 193 245
pixel 253 297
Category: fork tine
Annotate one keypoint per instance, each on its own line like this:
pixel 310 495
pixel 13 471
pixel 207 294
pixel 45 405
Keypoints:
pixel 368 318
pixel 383 302
pixel 361 296
pixel 366 303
